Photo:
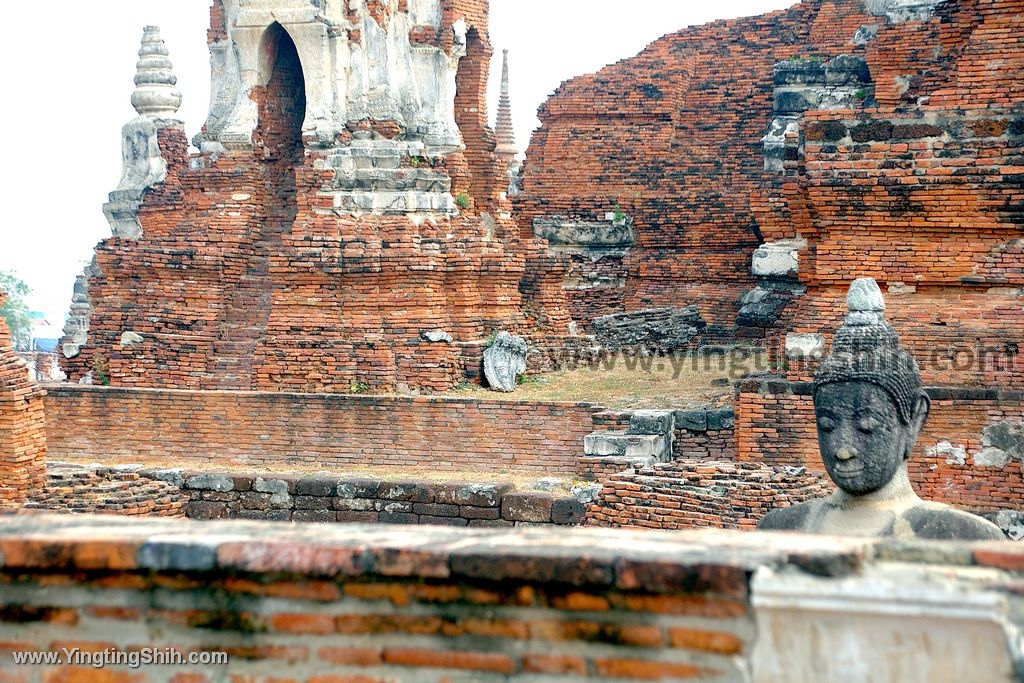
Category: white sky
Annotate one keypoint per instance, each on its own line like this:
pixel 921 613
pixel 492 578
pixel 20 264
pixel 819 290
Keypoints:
pixel 68 82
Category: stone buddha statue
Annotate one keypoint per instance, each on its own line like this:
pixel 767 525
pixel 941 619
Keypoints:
pixel 870 407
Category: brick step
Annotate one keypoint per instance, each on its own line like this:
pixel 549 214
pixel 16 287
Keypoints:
pixel 624 444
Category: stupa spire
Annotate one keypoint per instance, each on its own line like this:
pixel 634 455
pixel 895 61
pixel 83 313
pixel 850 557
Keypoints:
pixel 155 93
pixel 503 128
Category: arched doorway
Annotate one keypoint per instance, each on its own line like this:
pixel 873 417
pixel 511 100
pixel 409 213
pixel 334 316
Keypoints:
pixel 282 102
pixel 279 152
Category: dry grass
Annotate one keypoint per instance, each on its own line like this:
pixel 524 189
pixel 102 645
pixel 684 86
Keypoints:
pixel 523 481
pixel 621 382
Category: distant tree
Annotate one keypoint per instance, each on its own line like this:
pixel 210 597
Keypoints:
pixel 15 310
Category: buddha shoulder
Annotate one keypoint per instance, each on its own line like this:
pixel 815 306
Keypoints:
pixel 936 521
pixel 794 517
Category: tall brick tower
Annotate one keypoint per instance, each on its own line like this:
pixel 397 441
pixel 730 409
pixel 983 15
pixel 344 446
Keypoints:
pixel 346 201
pixel 22 426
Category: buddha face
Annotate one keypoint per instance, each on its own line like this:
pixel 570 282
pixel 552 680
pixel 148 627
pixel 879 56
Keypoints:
pixel 862 441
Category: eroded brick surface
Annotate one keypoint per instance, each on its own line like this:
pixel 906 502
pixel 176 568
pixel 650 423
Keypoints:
pixel 246 428
pixel 22 426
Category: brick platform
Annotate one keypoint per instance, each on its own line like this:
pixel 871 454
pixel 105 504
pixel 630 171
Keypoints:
pixel 105 490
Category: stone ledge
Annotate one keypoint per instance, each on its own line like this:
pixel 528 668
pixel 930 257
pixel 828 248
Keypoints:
pixel 710 560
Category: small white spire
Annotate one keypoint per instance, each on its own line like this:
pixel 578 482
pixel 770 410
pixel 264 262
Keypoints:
pixel 155 95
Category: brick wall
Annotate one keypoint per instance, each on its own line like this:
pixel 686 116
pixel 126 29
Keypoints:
pixel 925 204
pixel 672 138
pixel 693 494
pixel 22 426
pixel 426 605
pixel 775 425
pixel 316 430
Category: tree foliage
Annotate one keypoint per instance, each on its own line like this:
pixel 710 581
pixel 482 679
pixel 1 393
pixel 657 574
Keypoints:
pixel 15 310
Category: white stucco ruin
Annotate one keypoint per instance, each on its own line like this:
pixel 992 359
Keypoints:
pixel 156 99
pixel 354 69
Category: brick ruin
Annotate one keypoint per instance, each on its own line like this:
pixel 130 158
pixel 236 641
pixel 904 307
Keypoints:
pixel 22 426
pixel 723 185
pixel 331 219
pixel 750 169
pixel 829 141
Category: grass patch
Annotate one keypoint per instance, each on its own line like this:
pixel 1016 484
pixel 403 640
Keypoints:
pixel 621 381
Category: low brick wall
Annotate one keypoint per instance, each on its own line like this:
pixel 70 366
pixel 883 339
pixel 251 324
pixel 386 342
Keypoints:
pixel 248 428
pixel 106 490
pixel 425 605
pixel 775 425
pixel 330 499
pixel 693 494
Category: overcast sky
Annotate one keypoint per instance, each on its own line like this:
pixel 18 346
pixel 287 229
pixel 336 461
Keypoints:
pixel 69 80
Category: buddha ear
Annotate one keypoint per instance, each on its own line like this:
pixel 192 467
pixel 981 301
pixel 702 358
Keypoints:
pixel 921 407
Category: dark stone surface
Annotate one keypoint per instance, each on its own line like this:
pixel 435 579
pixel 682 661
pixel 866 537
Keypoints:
pixel 314 516
pixel 358 516
pixel 479 495
pixel 210 482
pixel 267 515
pixel 436 509
pixel 256 501
pixel 567 511
pixel 315 486
pixel 527 507
pixel 827 131
pixel 659 329
pixel 794 101
pixel 473 512
pixel 411 491
pixel 800 72
pixel 916 131
pixel 721 418
pixel 179 556
pixel 875 131
pixel 200 509
pixel 312 503
pixel 358 488
pixel 692 420
pixel 762 307
pixel 443 521
pixel 398 518
pixel 847 70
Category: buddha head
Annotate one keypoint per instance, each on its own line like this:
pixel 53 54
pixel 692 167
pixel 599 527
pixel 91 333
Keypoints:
pixel 868 401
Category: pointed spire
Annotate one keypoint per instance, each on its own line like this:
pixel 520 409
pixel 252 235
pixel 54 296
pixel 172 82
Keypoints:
pixel 155 95
pixel 503 128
